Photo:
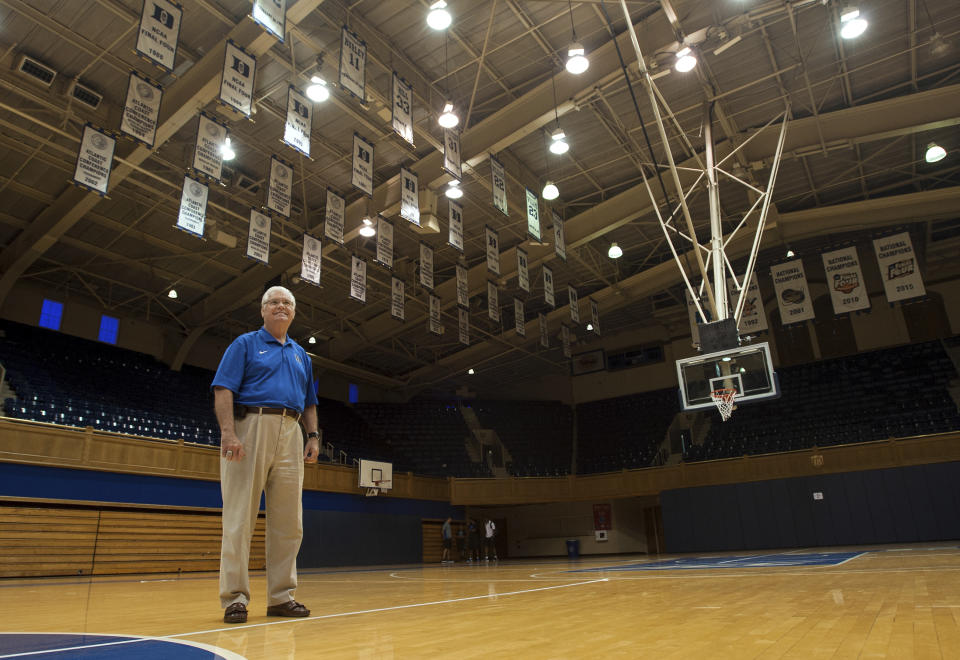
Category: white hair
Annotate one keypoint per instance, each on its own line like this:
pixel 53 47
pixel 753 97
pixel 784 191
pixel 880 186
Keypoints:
pixel 282 289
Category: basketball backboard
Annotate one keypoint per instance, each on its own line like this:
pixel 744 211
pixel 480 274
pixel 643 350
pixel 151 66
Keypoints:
pixel 748 369
pixel 375 475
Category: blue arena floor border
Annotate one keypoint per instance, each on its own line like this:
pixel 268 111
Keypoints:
pixel 734 561
pixel 82 646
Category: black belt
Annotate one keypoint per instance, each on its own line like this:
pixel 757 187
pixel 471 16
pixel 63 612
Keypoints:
pixel 284 412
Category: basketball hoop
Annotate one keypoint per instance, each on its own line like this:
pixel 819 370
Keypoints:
pixel 378 485
pixel 724 397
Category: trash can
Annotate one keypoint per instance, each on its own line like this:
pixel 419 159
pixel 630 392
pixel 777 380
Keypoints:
pixel 573 548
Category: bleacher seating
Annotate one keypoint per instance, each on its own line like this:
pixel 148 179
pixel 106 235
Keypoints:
pixel 624 432
pixel 75 382
pixel 538 434
pixel 889 393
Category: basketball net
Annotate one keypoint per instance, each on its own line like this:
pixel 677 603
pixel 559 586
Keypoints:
pixel 724 397
pixel 377 487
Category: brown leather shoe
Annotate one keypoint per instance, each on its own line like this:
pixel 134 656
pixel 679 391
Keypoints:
pixel 235 613
pixel 290 608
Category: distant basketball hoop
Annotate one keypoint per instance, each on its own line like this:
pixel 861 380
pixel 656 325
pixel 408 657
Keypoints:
pixel 723 398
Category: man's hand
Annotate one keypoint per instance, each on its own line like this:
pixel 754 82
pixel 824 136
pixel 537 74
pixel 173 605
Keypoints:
pixel 230 447
pixel 311 451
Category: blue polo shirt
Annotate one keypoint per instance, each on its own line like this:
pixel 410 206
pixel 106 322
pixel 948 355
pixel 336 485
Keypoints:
pixel 260 371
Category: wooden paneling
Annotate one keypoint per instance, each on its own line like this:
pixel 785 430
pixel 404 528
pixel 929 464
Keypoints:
pixel 46 541
pixel 432 541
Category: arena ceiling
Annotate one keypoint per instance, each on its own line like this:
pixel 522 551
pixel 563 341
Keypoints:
pixel 861 115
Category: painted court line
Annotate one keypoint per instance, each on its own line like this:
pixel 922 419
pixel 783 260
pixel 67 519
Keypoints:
pixel 305 619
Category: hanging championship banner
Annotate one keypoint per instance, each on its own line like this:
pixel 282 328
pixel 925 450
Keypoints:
pixel 493 250
pixel 299 124
pixel 94 160
pixel 280 187
pixel 384 242
pixel 499 185
pixel 236 84
pixel 409 196
pixel 899 269
pixel 426 266
pixel 574 304
pixel 258 237
pixel 402 120
pixel 544 336
pixel 193 206
pixel 565 338
pixel 271 15
pixel 463 287
pixel 753 318
pixel 433 323
pixel 559 241
pixel 451 153
pixel 141 109
pixel 396 298
pixel 595 316
pixel 523 274
pixel 793 294
pixel 533 215
pixel 548 286
pixel 207 155
pixel 845 280
pixel 455 217
pixel 358 278
pixel 464 326
pixel 362 178
pixel 353 63
pixel 311 260
pixel 159 32
pixel 519 324
pixel 493 302
pixel 333 217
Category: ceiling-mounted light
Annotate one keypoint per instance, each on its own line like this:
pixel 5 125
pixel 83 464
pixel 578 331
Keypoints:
pixel 558 144
pixel 550 191
pixel 453 190
pixel 790 253
pixel 226 151
pixel 439 18
pixel 589 327
pixel 312 340
pixel 470 371
pixel 367 229
pixel 317 90
pixel 938 46
pixel 448 118
pixel 577 61
pixel 615 251
pixel 172 293
pixel 851 24
pixel 686 60
pixel 935 153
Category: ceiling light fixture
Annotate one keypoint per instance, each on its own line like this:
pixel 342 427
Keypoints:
pixel 317 90
pixel 558 143
pixel 577 61
pixel 790 253
pixel 453 190
pixel 589 327
pixel 448 118
pixel 172 293
pixel 851 24
pixel 439 18
pixel 226 151
pixel 686 60
pixel 615 251
pixel 312 340
pixel 367 230
pixel 470 371
pixel 550 191
pixel 935 153
pixel 938 46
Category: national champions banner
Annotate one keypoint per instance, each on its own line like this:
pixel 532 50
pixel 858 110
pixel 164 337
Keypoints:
pixel 753 318
pixel 899 268
pixel 845 280
pixel 793 292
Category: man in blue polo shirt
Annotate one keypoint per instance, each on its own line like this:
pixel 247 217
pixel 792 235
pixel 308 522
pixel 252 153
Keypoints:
pixel 262 389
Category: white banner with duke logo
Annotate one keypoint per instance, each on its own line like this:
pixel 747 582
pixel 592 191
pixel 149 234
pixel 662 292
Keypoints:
pixel 402 119
pixel 362 177
pixel 523 273
pixel 353 63
pixel 236 83
pixel 258 237
pixel 159 32
pixel 299 124
pixel 271 15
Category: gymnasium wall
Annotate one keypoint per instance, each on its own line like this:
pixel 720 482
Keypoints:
pixel 897 505
pixel 542 530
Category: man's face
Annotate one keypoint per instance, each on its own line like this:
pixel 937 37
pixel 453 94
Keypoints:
pixel 278 311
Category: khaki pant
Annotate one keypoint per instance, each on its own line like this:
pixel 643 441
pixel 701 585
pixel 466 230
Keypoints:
pixel 273 464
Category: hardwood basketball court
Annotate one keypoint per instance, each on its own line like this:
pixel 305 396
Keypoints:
pixel 889 601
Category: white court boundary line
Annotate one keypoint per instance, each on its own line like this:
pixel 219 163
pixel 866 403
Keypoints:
pixel 298 619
